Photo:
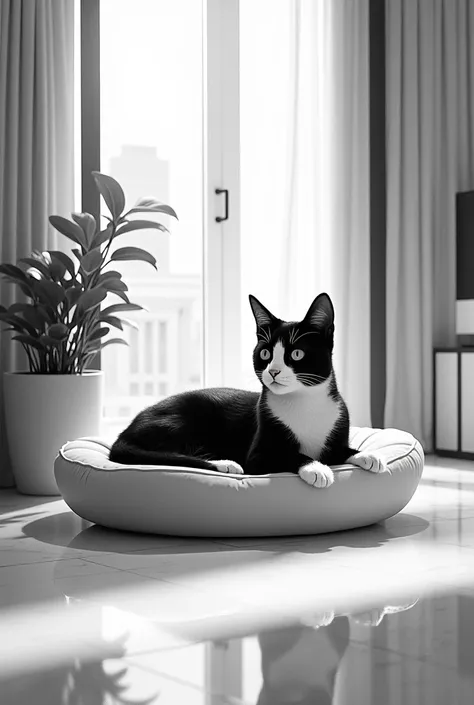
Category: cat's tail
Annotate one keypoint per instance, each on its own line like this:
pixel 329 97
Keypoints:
pixel 128 454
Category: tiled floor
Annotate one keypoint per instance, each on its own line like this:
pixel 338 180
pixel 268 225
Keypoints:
pixel 377 616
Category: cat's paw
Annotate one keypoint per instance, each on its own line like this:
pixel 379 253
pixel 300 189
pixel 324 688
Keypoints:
pixel 373 461
pixel 318 619
pixel 371 618
pixel 228 466
pixel 316 474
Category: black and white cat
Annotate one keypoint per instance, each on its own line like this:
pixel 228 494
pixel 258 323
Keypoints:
pixel 298 423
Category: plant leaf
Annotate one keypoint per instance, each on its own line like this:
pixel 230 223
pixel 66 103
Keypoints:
pixel 14 272
pixel 112 321
pixel 57 269
pixel 122 295
pixel 27 290
pixel 91 298
pixel 99 333
pixel 119 322
pixel 111 192
pixel 37 264
pixel 34 273
pixel 58 331
pixel 151 205
pixel 72 295
pixel 114 341
pixel 102 236
pixel 29 340
pixel 37 316
pixel 133 253
pixel 70 229
pixel 131 324
pixel 111 274
pixel 17 308
pixel 65 260
pixel 87 223
pixel 49 292
pixel 141 225
pixel 47 340
pixel 18 323
pixel 91 261
pixel 114 285
pixel 116 308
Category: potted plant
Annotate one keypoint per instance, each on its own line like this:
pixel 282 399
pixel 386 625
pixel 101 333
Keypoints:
pixel 62 327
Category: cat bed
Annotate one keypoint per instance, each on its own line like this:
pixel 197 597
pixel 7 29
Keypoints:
pixel 184 501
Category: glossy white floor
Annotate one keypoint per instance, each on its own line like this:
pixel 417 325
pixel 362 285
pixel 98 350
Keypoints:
pixel 378 616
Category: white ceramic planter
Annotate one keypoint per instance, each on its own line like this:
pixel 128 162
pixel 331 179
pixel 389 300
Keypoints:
pixel 42 413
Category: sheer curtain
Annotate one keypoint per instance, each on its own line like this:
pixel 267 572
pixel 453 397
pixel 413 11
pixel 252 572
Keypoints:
pixel 305 174
pixel 326 231
pixel 36 142
pixel 430 156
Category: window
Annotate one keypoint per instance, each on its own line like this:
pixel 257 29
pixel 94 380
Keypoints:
pixel 168 128
pixel 162 348
pixel 151 142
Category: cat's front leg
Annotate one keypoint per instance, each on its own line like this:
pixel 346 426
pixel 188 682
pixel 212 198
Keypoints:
pixel 316 474
pixel 228 466
pixel 316 620
pixel 371 461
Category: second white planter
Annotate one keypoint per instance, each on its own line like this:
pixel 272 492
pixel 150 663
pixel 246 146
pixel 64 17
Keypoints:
pixel 42 413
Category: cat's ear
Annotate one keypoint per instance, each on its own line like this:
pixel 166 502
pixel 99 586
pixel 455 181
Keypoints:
pixel 262 315
pixel 321 313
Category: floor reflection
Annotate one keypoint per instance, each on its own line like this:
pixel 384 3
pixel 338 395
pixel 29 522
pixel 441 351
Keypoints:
pixel 412 652
pixel 80 682
pixel 377 616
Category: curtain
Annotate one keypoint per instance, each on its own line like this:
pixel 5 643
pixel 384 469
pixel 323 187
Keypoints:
pixel 326 201
pixel 430 156
pixel 36 143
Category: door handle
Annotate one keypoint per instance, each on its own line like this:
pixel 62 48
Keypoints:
pixel 219 219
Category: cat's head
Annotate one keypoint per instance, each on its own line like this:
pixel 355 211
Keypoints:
pixel 289 356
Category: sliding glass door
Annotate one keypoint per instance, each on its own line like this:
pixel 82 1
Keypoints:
pixel 169 128
pixel 151 142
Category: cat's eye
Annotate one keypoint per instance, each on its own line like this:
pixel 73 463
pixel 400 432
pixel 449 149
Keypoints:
pixel 265 354
pixel 297 354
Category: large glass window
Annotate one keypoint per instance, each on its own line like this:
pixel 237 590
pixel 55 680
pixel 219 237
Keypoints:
pixel 151 142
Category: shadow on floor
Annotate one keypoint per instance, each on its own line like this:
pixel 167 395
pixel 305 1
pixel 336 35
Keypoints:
pixel 11 500
pixel 67 530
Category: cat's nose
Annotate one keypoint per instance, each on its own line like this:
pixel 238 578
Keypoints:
pixel 274 373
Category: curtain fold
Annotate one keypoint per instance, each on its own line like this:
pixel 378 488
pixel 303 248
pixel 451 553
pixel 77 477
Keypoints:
pixel 326 244
pixel 430 135
pixel 36 143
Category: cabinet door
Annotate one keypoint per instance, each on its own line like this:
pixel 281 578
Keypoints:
pixel 467 402
pixel 446 371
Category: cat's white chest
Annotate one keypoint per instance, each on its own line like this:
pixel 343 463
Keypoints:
pixel 311 417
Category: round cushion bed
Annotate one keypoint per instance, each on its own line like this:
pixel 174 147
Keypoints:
pixel 184 501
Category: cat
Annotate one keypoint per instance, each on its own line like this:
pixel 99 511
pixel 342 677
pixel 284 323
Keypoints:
pixel 306 663
pixel 299 422
pixel 300 663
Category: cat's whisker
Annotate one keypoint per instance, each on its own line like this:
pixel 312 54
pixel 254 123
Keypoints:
pixel 311 332
pixel 293 333
pixel 309 378
pixel 310 374
pixel 263 334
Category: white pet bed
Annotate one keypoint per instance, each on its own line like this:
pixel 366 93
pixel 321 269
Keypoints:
pixel 190 502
